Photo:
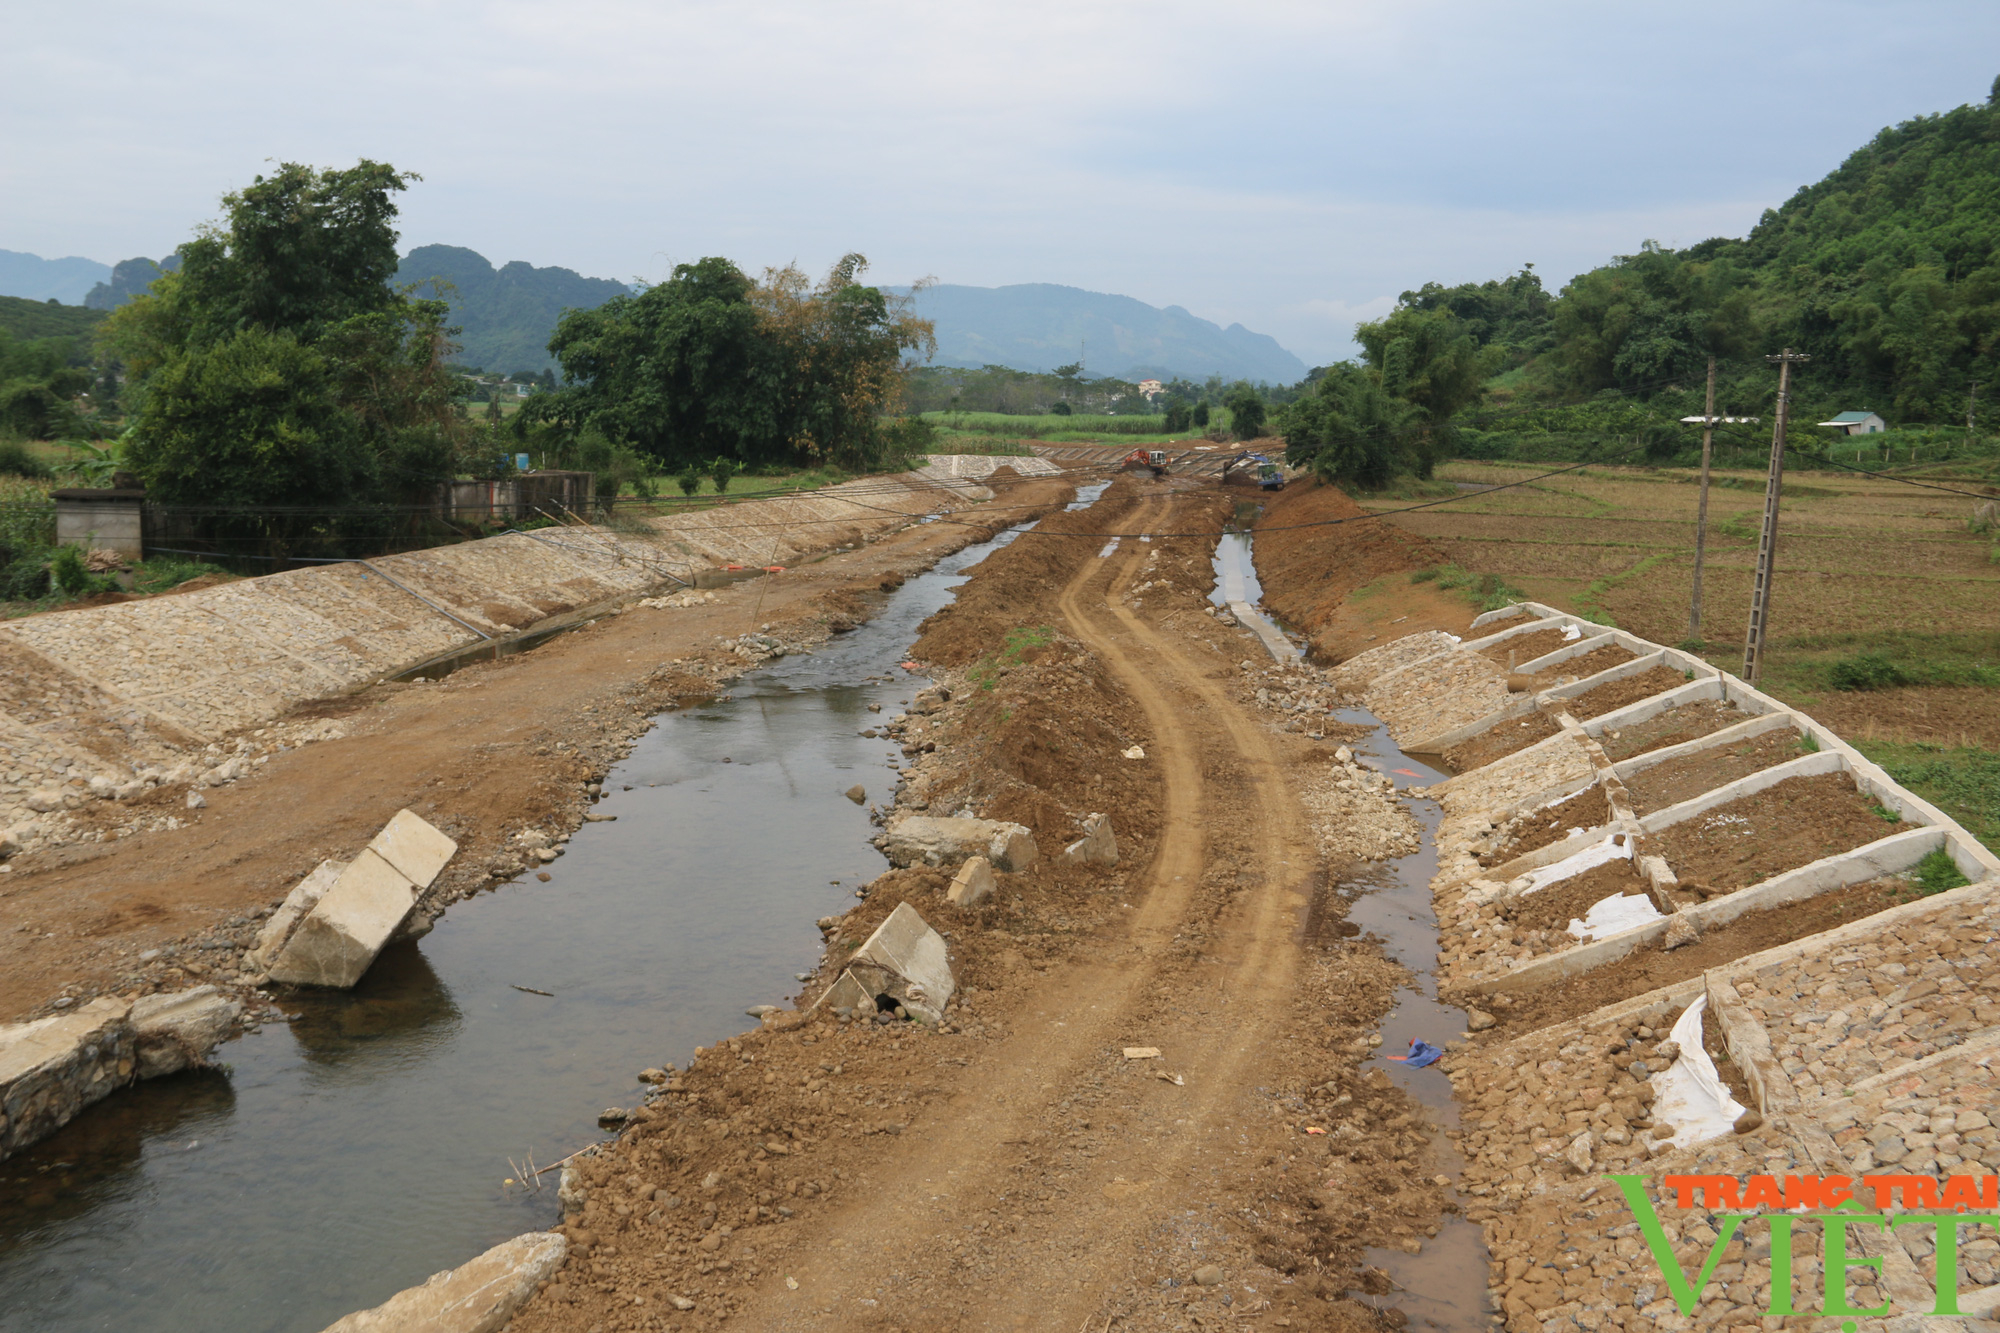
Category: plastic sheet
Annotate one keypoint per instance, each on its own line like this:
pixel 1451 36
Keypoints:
pixel 1608 916
pixel 1689 1094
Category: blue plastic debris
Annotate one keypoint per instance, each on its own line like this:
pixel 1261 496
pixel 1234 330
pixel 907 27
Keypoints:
pixel 1421 1053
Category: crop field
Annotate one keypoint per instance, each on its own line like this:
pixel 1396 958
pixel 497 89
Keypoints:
pixel 1885 611
pixel 1079 428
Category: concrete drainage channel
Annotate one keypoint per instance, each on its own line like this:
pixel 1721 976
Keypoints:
pixel 361 1147
pixel 1765 972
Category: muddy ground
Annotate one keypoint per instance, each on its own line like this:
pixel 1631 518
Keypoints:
pixel 1012 1168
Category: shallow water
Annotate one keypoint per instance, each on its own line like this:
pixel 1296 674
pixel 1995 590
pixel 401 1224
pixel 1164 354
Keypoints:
pixel 1444 1286
pixel 363 1147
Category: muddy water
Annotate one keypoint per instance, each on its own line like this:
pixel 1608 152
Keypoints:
pixel 364 1146
pixel 1444 1286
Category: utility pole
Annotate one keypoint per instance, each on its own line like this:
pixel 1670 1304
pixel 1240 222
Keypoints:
pixel 1708 422
pixel 1767 542
pixel 1971 403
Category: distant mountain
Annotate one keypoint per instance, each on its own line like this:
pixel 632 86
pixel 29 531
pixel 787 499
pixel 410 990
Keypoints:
pixel 506 314
pixel 39 279
pixel 1039 326
pixel 129 278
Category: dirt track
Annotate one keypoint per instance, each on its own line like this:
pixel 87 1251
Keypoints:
pixel 1028 1176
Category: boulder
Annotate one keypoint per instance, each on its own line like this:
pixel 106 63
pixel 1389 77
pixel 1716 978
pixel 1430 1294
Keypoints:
pixel 173 1032
pixel 1097 847
pixel 1681 929
pixel 928 840
pixel 480 1296
pixel 973 882
pixel 54 1067
pixel 904 962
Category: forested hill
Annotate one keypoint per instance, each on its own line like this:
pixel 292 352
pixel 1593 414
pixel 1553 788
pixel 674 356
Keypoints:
pixel 506 314
pixel 1040 326
pixel 1887 272
pixel 22 318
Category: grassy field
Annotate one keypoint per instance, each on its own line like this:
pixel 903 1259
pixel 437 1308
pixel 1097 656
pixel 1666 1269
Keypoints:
pixel 962 428
pixel 1885 611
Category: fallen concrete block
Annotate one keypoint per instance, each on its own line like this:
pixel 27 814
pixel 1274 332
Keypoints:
pixel 174 1032
pixel 368 906
pixel 339 938
pixel 973 882
pixel 904 962
pixel 414 848
pixel 305 896
pixel 476 1297
pixel 927 840
pixel 52 1068
pixel 1097 847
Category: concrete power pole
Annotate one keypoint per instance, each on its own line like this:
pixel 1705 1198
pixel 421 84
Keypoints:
pixel 1767 542
pixel 1708 421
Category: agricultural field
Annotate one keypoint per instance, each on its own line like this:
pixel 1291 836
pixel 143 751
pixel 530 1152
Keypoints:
pixel 1885 613
pixel 961 432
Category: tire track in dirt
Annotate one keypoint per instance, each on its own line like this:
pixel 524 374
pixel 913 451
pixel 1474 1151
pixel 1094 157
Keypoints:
pixel 1004 1226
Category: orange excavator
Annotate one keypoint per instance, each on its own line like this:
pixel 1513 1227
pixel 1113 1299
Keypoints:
pixel 1154 460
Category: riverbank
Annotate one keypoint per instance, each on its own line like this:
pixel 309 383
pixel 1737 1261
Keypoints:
pixel 490 751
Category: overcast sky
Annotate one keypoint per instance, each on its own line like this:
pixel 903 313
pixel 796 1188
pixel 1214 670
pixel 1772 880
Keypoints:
pixel 1292 166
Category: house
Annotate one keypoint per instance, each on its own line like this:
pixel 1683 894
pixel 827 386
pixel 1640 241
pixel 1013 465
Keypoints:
pixel 1858 423
pixel 1151 388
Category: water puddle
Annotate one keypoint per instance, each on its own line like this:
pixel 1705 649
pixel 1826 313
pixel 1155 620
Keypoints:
pixel 363 1147
pixel 1443 1286
pixel 1235 572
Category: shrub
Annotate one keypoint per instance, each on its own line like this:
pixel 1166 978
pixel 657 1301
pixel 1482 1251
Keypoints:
pixel 1870 671
pixel 720 471
pixel 16 459
pixel 689 482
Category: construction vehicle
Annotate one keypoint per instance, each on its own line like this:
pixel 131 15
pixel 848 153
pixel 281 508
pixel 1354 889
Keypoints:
pixel 1155 460
pixel 1253 470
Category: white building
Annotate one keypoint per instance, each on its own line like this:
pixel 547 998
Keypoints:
pixel 1858 423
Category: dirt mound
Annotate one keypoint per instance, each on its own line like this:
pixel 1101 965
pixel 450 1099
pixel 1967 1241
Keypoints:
pixel 1309 572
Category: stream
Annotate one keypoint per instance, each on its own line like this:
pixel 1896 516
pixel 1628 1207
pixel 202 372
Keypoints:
pixel 362 1147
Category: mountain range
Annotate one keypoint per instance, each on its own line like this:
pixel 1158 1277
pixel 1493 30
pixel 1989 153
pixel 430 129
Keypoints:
pixel 507 313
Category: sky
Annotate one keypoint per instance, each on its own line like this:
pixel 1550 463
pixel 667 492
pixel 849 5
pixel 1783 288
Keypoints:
pixel 1289 166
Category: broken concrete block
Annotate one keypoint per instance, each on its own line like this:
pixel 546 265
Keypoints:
pixel 973 882
pixel 480 1296
pixel 1681 929
pixel 414 848
pixel 54 1067
pixel 904 962
pixel 928 840
pixel 305 896
pixel 340 937
pixel 1097 847
pixel 173 1032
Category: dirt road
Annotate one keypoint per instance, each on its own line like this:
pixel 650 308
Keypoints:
pixel 1041 1180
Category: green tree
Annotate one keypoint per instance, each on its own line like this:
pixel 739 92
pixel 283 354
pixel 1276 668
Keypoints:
pixel 1246 411
pixel 1430 360
pixel 1351 429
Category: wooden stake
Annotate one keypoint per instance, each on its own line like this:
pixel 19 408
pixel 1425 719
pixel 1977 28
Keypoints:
pixel 1701 509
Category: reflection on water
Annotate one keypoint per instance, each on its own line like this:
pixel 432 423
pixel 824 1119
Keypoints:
pixel 1445 1284
pixel 361 1148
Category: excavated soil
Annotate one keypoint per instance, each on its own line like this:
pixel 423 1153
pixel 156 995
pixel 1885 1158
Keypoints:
pixel 1585 666
pixel 1010 1168
pixel 1781 828
pixel 1947 715
pixel 1310 561
pixel 1652 967
pixel 1555 907
pixel 1525 647
pixel 1685 778
pixel 1535 830
pixel 1499 741
pixel 1613 695
pixel 1675 726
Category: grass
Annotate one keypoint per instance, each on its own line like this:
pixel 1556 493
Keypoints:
pixel 1964 782
pixel 1018 643
pixel 1488 592
pixel 1887 659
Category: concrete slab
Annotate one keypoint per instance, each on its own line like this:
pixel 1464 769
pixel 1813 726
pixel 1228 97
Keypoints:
pixel 927 840
pixel 173 1032
pixel 479 1296
pixel 905 960
pixel 305 896
pixel 1275 643
pixel 340 937
pixel 414 848
pixel 54 1067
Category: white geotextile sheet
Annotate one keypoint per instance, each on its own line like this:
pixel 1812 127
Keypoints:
pixel 1689 1094
pixel 1613 848
pixel 1608 916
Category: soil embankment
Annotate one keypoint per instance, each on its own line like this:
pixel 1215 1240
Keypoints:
pixel 494 749
pixel 1012 1167
pixel 1332 579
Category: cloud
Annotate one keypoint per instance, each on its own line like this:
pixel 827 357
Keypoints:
pixel 1278 164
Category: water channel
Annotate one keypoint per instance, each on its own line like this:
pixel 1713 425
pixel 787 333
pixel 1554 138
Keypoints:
pixel 362 1147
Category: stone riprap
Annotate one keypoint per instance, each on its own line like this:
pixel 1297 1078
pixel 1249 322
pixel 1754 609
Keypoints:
pixel 107 702
pixel 1865 1046
pixel 54 1067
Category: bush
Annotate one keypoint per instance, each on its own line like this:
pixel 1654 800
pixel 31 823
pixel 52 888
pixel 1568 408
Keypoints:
pixel 16 458
pixel 71 577
pixel 720 471
pixel 1870 671
pixel 689 482
pixel 1061 408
